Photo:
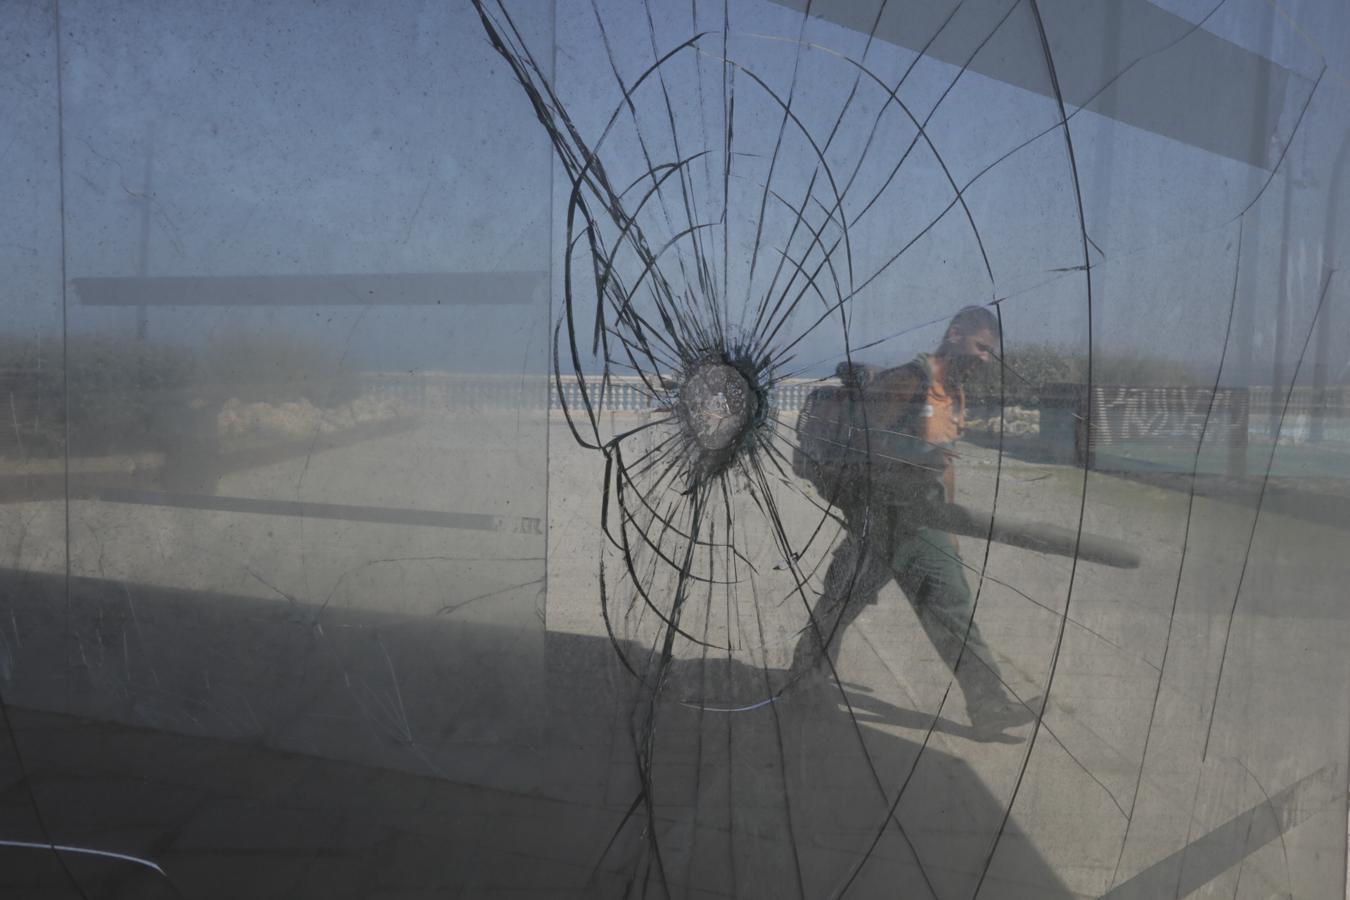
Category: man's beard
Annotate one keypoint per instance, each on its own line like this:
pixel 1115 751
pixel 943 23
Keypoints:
pixel 962 366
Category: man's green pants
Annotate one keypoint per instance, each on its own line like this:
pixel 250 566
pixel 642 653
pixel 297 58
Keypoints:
pixel 926 565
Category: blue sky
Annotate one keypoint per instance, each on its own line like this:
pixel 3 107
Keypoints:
pixel 336 139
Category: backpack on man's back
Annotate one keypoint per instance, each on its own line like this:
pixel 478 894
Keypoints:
pixel 838 434
pixel 830 436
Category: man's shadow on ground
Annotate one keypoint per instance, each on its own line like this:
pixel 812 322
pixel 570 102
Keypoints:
pixel 742 790
pixel 870 709
pixel 810 791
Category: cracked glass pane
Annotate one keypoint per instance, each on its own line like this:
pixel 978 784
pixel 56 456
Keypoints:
pixel 806 448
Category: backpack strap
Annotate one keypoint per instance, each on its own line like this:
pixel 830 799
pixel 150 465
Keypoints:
pixel 899 444
pixel 916 401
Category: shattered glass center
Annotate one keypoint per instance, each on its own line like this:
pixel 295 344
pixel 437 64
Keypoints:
pixel 717 405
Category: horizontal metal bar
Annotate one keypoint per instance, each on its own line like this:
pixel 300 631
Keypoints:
pixel 409 289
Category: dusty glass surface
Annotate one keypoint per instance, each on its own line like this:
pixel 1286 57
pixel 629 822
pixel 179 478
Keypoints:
pixel 762 448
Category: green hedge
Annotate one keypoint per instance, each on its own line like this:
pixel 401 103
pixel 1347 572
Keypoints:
pixel 128 395
pixel 1029 367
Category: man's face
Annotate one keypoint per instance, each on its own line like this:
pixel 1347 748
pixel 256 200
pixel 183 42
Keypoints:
pixel 973 350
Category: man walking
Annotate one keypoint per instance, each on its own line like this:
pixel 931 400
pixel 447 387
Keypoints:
pixel 915 414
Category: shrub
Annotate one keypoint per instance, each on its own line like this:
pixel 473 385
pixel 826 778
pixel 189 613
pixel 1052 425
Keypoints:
pixel 127 394
pixel 1029 367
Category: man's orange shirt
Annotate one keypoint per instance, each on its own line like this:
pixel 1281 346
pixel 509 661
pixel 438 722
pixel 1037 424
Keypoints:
pixel 944 416
pixel 940 420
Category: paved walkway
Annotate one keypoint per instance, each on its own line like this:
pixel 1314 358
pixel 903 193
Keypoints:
pixel 266 704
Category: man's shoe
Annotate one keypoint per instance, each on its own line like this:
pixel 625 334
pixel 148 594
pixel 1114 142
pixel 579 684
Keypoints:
pixel 993 720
